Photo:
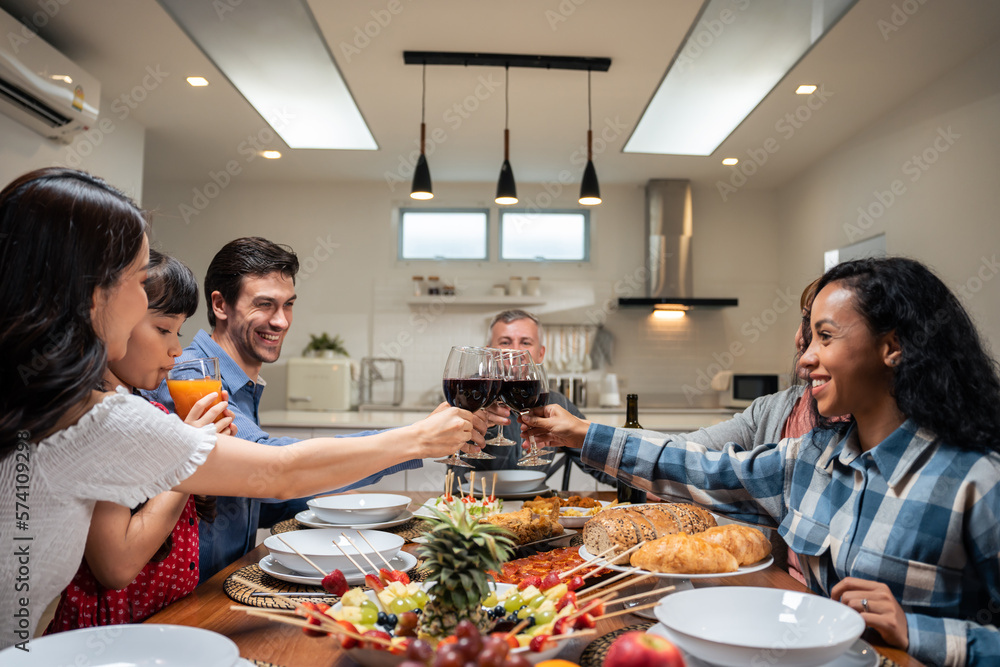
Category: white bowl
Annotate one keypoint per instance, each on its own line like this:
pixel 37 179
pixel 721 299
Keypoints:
pixel 356 508
pixel 510 481
pixel 141 645
pixel 785 628
pixel 323 547
pixel 367 657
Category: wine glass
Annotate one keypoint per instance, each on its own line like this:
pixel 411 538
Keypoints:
pixel 500 440
pixel 524 387
pixel 468 384
pixel 494 391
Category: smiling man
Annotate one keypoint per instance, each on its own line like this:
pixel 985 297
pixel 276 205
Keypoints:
pixel 250 292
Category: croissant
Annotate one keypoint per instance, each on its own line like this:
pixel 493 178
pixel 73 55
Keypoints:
pixel 747 544
pixel 683 554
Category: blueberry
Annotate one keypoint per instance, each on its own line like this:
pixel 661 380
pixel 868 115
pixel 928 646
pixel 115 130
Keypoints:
pixel 392 620
pixel 512 617
pixel 383 618
pixel 418 611
pixel 499 611
pixel 531 621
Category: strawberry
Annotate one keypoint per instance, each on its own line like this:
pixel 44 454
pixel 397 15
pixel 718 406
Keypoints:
pixel 308 607
pixel 401 577
pixel 561 626
pixel 569 598
pixel 385 575
pixel 550 580
pixel 379 646
pixel 511 639
pixel 335 583
pixel 529 580
pixel 345 641
pixel 575 582
pixel 540 643
pixel 374 583
pixel 596 608
pixel 584 621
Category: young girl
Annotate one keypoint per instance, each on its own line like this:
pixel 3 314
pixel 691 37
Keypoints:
pixel 139 561
pixel 73 257
pixel 896 512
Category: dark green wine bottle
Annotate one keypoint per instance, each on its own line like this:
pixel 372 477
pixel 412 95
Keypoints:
pixel 627 494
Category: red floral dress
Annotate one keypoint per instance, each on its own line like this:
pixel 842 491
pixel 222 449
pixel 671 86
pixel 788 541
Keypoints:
pixel 86 603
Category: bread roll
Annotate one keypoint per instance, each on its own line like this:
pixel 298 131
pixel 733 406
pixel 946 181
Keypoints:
pixel 683 554
pixel 748 545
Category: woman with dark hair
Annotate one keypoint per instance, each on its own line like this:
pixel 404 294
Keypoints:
pixel 73 258
pixel 138 561
pixel 895 512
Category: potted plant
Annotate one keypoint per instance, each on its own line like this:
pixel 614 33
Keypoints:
pixel 324 346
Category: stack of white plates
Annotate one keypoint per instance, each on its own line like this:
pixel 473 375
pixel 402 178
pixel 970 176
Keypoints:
pixel 326 547
pixel 356 510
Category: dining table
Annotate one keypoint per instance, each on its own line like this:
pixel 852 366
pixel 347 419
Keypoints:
pixel 269 642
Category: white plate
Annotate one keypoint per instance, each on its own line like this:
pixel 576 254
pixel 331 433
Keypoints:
pixel 860 654
pixel 746 569
pixel 141 645
pixel 356 508
pixel 402 562
pixel 578 521
pixel 523 495
pixel 309 518
pixel 331 548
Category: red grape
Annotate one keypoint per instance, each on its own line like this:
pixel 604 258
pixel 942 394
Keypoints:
pixel 470 646
pixel 419 650
pixel 516 661
pixel 466 628
pixel 449 657
pixel 490 657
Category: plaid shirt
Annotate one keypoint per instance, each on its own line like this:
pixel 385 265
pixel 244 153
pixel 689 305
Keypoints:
pixel 913 512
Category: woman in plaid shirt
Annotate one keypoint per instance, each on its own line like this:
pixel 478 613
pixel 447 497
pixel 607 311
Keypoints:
pixel 895 513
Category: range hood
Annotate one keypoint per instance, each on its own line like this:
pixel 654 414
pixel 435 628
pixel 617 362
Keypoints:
pixel 669 229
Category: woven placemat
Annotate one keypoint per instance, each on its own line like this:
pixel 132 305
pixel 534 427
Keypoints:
pixel 240 592
pixel 597 650
pixel 415 527
pixel 261 663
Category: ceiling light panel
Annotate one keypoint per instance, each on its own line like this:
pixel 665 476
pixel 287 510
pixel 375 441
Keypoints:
pixel 273 53
pixel 732 57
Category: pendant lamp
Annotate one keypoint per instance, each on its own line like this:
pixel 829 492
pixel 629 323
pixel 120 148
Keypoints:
pixel 590 190
pixel 422 174
pixel 506 188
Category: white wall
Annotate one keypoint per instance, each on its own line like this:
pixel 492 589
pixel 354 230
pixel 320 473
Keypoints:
pixel 943 213
pixel 114 151
pixel 358 289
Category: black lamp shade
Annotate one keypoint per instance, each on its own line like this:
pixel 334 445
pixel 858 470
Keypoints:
pixel 422 180
pixel 590 190
pixel 506 188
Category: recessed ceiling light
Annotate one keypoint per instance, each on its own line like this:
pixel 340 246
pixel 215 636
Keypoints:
pixel 805 90
pixel 271 155
pixel 730 161
pixel 274 55
pixel 702 97
pixel 197 81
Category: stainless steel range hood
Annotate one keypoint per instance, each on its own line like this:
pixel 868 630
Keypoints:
pixel 669 234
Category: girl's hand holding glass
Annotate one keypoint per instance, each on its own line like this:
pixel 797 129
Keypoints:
pixel 206 411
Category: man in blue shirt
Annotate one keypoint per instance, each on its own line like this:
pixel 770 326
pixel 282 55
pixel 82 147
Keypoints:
pixel 250 291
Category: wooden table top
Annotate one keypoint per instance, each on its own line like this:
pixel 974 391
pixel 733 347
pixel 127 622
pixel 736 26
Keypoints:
pixel 259 639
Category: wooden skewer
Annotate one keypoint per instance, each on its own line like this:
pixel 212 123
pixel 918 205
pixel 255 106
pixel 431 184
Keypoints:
pixel 632 610
pixel 517 628
pixel 590 606
pixel 283 612
pixel 363 555
pixel 581 633
pixel 331 627
pixel 472 484
pixel 353 562
pixel 616 557
pixel 610 581
pixel 300 554
pixel 493 492
pixel 588 563
pixel 653 591
pixel 620 586
pixel 387 564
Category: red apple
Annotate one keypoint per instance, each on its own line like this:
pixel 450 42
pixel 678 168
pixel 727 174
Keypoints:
pixel 637 649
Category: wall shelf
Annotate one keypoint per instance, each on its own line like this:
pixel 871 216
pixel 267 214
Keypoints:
pixel 485 300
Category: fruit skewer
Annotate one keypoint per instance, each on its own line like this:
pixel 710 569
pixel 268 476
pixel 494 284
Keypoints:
pixel 333 582
pixel 389 574
pixel 362 571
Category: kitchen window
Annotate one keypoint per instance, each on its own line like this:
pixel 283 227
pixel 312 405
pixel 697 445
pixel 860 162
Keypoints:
pixel 558 236
pixel 443 234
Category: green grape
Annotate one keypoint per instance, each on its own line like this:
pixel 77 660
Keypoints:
pixel 369 615
pixel 523 613
pixel 420 599
pixel 490 601
pixel 513 603
pixel 536 601
pixel 368 604
pixel 398 606
pixel 543 617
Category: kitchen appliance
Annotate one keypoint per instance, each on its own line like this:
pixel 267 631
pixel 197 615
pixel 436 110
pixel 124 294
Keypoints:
pixel 669 235
pixel 319 384
pixel 381 381
pixel 610 397
pixel 738 390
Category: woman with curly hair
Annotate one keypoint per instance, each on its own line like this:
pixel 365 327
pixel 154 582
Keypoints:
pixel 895 512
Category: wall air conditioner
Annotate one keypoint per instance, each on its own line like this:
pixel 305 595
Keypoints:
pixel 41 87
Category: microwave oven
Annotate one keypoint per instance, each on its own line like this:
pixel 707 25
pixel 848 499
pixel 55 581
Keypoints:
pixel 738 390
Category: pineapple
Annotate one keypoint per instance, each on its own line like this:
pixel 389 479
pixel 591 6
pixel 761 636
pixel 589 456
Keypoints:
pixel 459 550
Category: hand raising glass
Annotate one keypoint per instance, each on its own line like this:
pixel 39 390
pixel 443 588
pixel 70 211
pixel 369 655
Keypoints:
pixel 468 384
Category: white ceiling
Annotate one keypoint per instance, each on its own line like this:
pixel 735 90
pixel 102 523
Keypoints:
pixel 867 69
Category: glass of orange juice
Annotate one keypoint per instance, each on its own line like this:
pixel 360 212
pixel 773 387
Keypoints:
pixel 190 381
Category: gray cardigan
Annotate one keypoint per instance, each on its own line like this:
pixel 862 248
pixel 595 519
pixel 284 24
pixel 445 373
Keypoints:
pixel 759 424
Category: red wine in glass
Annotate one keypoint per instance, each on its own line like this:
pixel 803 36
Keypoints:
pixel 522 395
pixel 469 393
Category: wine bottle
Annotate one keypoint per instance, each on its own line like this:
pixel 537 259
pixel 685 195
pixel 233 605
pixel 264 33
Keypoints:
pixel 627 494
